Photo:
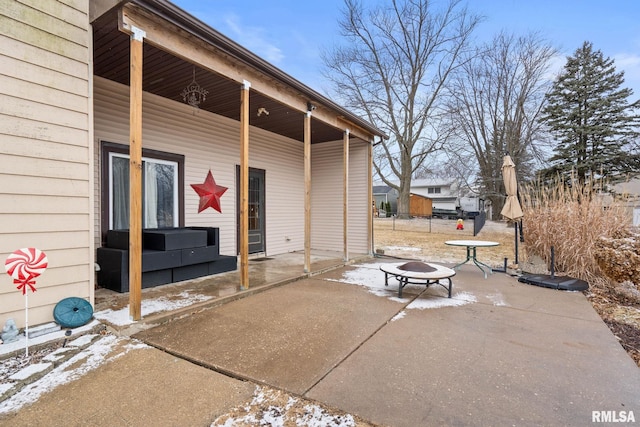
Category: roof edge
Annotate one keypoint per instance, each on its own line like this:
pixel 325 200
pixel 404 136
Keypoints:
pixel 200 29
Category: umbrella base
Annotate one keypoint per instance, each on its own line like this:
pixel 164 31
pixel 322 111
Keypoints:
pixel 563 283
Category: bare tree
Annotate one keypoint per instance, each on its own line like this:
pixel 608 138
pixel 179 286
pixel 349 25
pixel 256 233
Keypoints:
pixel 496 101
pixel 393 69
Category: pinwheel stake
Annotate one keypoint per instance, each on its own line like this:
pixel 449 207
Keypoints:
pixel 24 265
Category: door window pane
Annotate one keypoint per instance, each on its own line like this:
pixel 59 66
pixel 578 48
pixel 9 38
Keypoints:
pixel 254 203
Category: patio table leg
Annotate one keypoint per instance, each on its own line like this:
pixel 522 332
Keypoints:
pixel 457 266
pixel 472 256
pixel 481 264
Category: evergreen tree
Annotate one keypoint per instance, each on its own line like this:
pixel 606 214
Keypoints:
pixel 594 124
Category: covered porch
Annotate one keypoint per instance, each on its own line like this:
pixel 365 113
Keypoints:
pixel 195 95
pixel 265 273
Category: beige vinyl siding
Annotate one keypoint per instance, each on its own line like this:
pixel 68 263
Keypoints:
pixel 45 151
pixel 327 198
pixel 358 198
pixel 211 142
pixel 282 159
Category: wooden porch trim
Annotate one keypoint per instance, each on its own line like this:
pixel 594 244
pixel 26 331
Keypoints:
pixel 135 175
pixel 370 197
pixel 244 185
pixel 307 192
pixel 345 193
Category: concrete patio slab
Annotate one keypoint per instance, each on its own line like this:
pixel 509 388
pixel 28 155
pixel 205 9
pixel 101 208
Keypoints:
pixel 288 337
pixel 144 387
pixel 500 289
pixel 509 353
pixel 480 364
pixel 498 353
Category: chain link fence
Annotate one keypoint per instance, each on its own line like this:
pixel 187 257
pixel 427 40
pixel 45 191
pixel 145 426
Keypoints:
pixel 468 227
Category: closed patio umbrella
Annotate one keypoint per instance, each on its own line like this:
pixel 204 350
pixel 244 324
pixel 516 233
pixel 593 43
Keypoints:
pixel 511 209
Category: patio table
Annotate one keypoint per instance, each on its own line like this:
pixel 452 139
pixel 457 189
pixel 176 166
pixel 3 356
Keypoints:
pixel 472 246
pixel 418 273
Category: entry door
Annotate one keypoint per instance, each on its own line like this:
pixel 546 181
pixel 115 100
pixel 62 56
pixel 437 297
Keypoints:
pixel 256 210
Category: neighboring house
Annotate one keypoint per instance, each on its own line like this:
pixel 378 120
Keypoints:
pixel 386 194
pixel 443 193
pixel 88 86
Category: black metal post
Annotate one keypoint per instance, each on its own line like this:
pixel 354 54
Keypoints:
pixel 521 234
pixel 515 227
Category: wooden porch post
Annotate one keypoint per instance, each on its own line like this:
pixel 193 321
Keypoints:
pixel 307 192
pixel 244 185
pixel 345 193
pixel 370 196
pixel 135 175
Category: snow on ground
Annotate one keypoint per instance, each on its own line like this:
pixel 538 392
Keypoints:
pixel 402 248
pixel 121 317
pixel 100 352
pixel 22 343
pixel 456 300
pixel 278 409
pixel 498 300
pixel 89 358
pixel 369 276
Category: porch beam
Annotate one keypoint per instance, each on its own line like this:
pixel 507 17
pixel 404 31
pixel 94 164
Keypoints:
pixel 135 175
pixel 182 44
pixel 244 185
pixel 345 193
pixel 354 130
pixel 307 192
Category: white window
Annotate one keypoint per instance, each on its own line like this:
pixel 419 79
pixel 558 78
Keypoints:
pixel 434 190
pixel 159 192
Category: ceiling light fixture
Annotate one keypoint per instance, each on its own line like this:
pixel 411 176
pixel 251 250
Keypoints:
pixel 194 94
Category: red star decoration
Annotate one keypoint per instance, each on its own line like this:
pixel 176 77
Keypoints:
pixel 209 193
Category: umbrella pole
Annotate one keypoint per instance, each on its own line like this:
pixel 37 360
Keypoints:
pixel 515 227
pixel 521 234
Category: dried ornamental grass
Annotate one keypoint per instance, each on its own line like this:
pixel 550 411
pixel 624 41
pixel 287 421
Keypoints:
pixel 571 220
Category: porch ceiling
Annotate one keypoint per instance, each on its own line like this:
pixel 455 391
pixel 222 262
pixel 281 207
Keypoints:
pixel 167 75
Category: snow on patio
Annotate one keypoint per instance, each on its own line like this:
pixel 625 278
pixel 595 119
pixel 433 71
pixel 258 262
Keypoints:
pixel 150 306
pixel 370 277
